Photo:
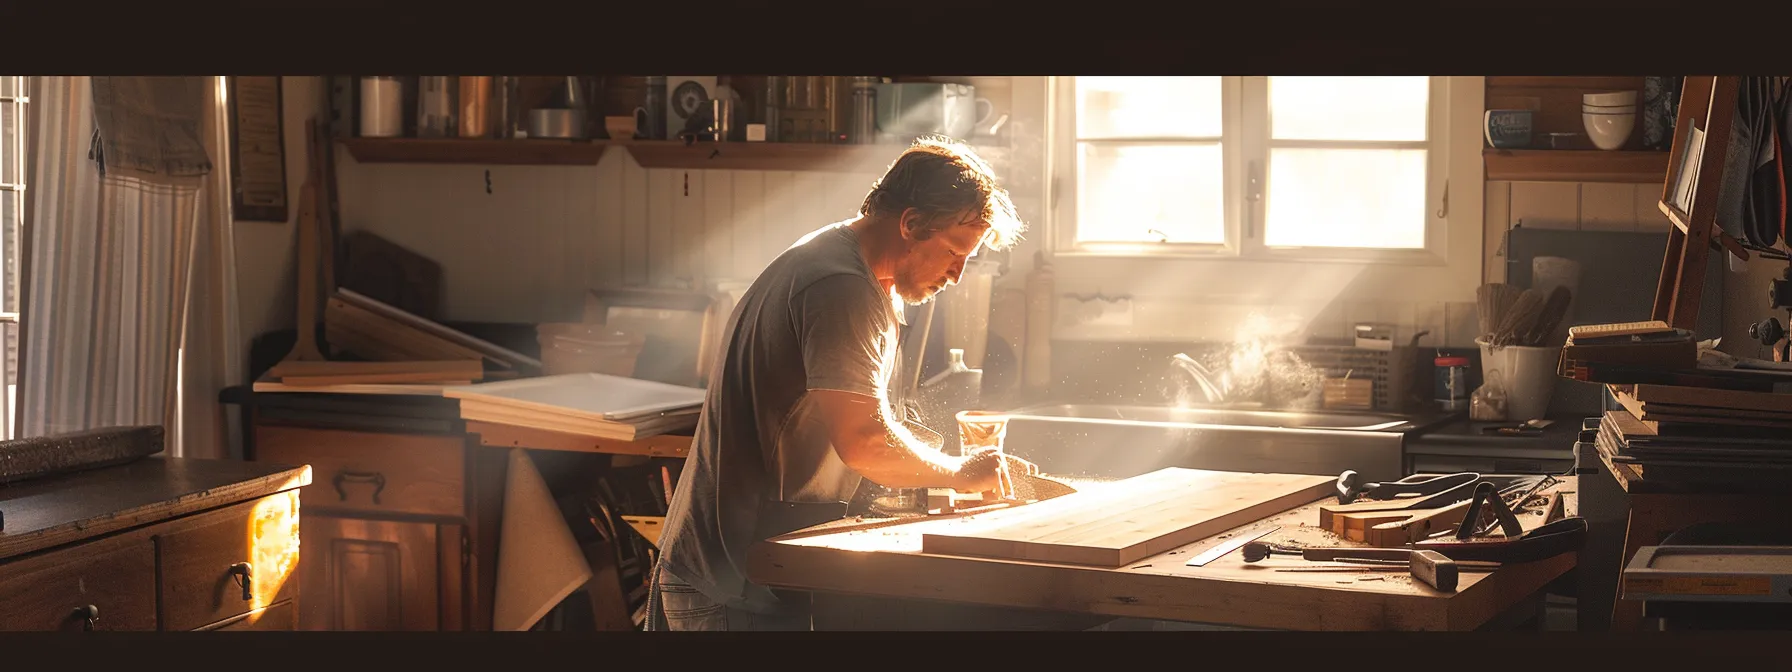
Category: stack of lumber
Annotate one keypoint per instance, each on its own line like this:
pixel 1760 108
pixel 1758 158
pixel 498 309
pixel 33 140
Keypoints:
pixel 583 404
pixel 1716 420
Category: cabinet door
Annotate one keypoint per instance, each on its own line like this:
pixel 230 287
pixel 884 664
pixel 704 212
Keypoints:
pixel 368 575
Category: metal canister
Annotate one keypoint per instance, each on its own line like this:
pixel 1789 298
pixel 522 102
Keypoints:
pixel 864 111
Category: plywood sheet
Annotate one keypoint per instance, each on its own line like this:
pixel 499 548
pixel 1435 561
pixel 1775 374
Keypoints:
pixel 591 395
pixel 1118 523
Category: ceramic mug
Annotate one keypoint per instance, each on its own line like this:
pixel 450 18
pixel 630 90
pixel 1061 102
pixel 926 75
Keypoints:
pixel 1507 129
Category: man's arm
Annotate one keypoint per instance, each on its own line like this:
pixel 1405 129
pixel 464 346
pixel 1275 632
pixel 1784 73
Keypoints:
pixel 844 323
pixel 872 442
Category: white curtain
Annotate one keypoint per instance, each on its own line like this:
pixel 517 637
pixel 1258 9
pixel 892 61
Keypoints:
pixel 130 310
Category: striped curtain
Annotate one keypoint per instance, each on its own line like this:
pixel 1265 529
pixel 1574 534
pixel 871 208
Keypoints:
pixel 121 271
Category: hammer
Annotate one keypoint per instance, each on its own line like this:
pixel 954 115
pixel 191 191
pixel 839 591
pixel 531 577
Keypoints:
pixel 1431 567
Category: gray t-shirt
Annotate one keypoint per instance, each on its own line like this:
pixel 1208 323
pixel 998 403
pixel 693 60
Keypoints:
pixel 814 319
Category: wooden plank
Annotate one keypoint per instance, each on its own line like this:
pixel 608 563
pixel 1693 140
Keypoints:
pixel 888 562
pixel 502 435
pixel 371 335
pixel 1699 396
pixel 1114 524
pixel 592 396
pixel 497 354
pixel 515 152
pixel 1572 165
pixel 794 156
pixel 1591 84
pixel 474 410
pixel 48 512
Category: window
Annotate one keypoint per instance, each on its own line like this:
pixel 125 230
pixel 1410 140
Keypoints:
pixel 1290 168
pixel 13 101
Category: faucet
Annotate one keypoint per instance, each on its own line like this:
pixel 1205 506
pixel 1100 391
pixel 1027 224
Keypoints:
pixel 1216 393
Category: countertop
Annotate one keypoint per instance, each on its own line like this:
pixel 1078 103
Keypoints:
pixel 1460 436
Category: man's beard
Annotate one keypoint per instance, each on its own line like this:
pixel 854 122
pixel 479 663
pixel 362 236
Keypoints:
pixel 916 294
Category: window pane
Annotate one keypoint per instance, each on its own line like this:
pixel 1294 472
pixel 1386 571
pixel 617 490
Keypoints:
pixel 1148 107
pixel 1346 198
pixel 1125 192
pixel 1349 108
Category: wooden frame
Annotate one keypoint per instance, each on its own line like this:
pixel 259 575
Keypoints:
pixel 1707 105
pixel 260 194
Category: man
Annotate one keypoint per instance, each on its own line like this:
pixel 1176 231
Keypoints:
pixel 799 408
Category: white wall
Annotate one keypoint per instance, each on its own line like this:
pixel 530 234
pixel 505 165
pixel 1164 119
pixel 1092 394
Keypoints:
pixel 265 250
pixel 527 251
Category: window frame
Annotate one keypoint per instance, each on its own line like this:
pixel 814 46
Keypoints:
pixel 1246 149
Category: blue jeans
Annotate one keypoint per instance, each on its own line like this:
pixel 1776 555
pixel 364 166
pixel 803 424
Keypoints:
pixel 684 608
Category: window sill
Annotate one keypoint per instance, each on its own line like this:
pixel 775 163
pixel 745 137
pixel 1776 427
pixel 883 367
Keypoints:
pixel 1400 258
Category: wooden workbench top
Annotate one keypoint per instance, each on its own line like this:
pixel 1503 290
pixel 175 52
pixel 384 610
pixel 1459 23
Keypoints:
pixel 888 562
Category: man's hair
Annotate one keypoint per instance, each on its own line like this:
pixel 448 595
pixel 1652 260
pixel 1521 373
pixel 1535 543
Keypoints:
pixel 945 181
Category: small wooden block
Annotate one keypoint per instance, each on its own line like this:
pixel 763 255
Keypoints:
pixel 1435 570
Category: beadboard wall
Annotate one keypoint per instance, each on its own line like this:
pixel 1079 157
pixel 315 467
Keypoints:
pixel 527 250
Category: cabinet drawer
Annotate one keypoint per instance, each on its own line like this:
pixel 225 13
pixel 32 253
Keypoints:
pixel 279 616
pixel 114 578
pixel 372 472
pixel 229 562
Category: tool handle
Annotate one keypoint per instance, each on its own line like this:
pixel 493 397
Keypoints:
pixel 1435 570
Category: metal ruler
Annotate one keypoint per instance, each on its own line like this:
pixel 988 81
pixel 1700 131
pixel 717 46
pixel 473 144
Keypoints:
pixel 1228 546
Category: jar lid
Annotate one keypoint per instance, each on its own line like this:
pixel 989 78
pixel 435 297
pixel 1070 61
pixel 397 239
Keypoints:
pixel 1451 361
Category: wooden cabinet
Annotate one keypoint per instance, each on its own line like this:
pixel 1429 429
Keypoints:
pixel 158 544
pixel 401 521
pixel 372 575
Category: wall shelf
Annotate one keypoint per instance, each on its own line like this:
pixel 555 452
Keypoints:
pixel 870 159
pixel 762 156
pixel 1576 165
pixel 467 150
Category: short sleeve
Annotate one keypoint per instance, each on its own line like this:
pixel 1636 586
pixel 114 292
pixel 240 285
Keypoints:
pixel 844 325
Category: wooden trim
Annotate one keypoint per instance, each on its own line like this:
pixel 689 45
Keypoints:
pixel 512 436
pixel 474 151
pixel 1571 165
pixel 866 159
pixel 1614 83
pixel 870 159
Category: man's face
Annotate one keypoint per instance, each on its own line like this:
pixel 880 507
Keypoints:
pixel 936 263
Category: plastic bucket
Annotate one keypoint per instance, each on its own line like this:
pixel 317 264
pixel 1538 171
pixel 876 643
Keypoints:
pixel 576 347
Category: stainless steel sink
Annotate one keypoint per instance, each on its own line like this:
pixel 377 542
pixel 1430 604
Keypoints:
pixel 1119 441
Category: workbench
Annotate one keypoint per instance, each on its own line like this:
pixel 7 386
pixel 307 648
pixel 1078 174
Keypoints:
pixel 886 563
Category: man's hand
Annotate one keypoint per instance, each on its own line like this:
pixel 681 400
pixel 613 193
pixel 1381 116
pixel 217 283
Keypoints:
pixel 981 471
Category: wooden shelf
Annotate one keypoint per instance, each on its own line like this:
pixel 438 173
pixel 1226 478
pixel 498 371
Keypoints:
pixel 1576 165
pixel 870 159
pixel 519 152
pixel 762 156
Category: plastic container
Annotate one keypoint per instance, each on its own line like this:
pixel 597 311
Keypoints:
pixel 1452 389
pixel 580 347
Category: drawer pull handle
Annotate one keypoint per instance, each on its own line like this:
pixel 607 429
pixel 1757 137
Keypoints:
pixel 89 614
pixel 244 574
pixel 377 479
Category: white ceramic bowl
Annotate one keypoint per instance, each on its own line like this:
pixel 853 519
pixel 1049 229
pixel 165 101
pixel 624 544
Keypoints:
pixel 1608 109
pixel 1609 131
pixel 1610 98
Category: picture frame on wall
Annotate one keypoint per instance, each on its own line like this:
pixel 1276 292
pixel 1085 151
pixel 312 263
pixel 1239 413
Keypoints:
pixel 257 149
